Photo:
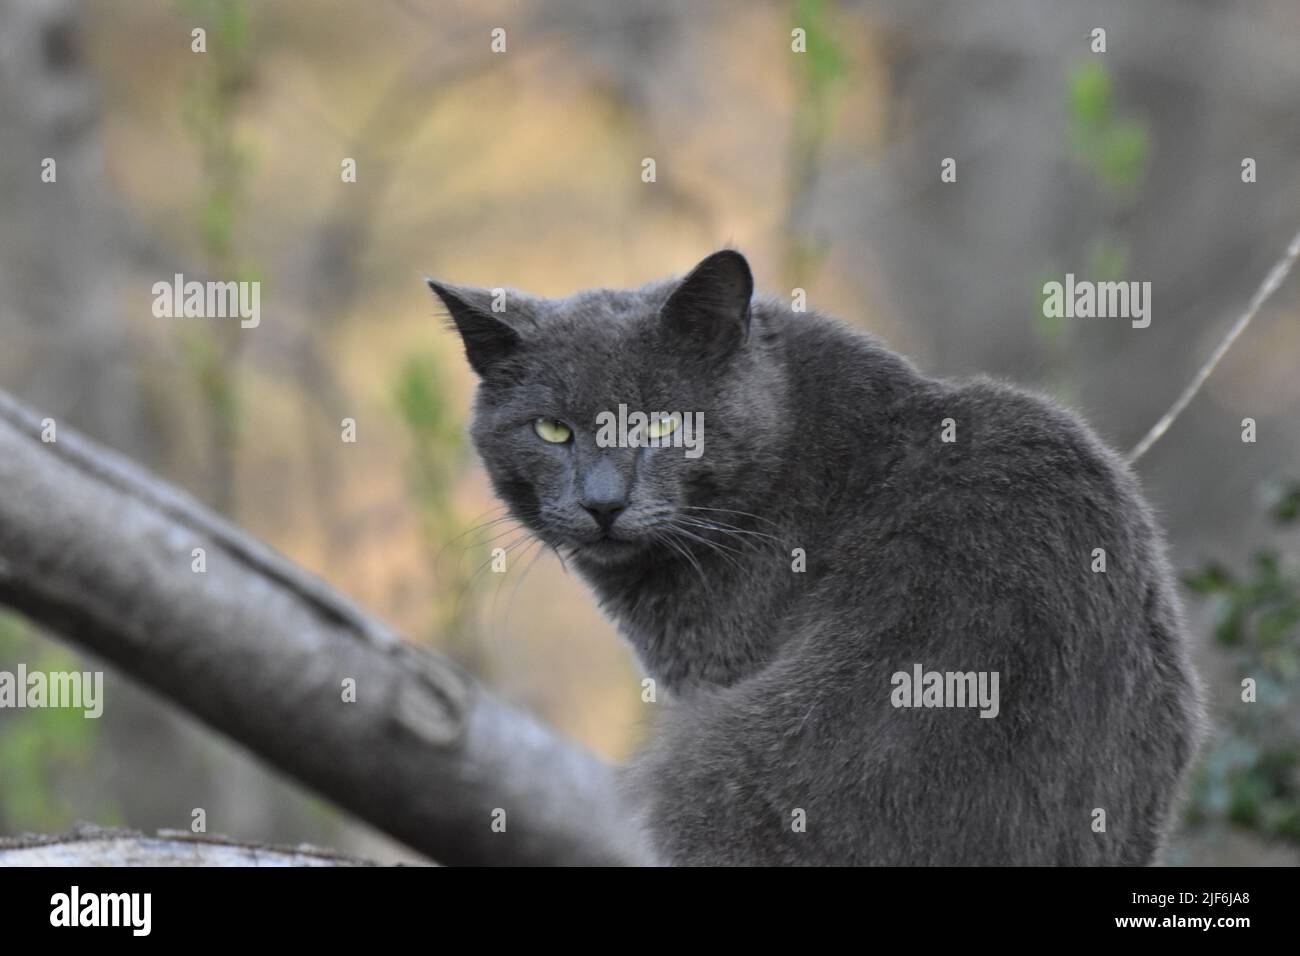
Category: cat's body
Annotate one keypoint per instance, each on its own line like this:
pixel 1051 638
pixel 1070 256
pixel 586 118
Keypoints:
pixel 780 741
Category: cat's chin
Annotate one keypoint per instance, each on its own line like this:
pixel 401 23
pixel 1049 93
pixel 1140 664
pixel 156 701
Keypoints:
pixel 607 552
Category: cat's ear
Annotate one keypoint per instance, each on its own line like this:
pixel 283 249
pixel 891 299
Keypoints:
pixel 488 339
pixel 711 306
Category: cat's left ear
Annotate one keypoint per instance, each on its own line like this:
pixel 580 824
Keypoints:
pixel 711 306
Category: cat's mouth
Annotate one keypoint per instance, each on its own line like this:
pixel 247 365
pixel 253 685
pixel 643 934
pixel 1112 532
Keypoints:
pixel 605 548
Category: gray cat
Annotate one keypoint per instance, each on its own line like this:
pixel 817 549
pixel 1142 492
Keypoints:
pixel 899 620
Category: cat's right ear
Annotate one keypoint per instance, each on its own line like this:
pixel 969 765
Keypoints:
pixel 488 340
pixel 710 308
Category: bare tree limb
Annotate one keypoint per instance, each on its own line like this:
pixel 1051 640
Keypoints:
pixel 93 846
pixel 95 548
pixel 1272 282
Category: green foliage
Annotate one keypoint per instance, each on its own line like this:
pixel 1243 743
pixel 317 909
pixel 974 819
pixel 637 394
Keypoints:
pixel 1251 777
pixel 434 433
pixel 1107 260
pixel 825 62
pixel 437 456
pixel 1091 98
pixel 1115 149
pixel 818 71
pixel 213 375
pixel 39 748
pixel 1284 501
pixel 210 110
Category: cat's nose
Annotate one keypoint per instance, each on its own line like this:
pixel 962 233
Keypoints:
pixel 605 512
pixel 603 491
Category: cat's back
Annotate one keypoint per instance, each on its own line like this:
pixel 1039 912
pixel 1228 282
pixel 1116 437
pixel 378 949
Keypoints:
pixel 978 474
pixel 967 529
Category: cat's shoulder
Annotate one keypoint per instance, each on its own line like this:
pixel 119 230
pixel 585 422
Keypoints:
pixel 1007 422
pixel 983 447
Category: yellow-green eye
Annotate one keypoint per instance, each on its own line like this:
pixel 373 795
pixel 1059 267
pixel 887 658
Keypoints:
pixel 662 426
pixel 548 429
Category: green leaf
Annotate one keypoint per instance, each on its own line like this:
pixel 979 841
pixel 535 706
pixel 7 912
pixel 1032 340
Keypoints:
pixel 1211 579
pixel 1090 94
pixel 1284 501
pixel 1124 154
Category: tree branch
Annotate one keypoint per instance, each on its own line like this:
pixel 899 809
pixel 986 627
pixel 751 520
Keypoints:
pixel 95 548
pixel 1272 282
pixel 93 846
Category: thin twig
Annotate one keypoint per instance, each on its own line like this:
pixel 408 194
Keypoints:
pixel 1271 284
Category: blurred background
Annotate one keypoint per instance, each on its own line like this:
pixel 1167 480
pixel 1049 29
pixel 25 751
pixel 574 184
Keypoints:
pixel 524 168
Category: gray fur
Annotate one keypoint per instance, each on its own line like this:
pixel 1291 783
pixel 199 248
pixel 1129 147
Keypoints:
pixel 974 555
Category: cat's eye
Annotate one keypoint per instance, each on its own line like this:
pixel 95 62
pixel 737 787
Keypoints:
pixel 662 426
pixel 552 430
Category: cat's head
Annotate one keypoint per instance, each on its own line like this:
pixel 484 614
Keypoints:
pixel 554 373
